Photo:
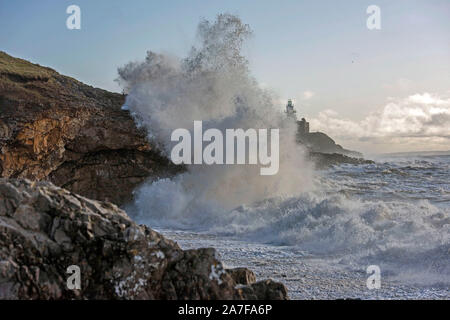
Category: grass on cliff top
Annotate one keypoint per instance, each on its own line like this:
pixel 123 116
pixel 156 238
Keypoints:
pixel 22 68
pixel 16 72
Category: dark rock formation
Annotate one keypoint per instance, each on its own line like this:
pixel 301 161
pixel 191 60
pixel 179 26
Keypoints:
pixel 265 290
pixel 242 275
pixel 56 128
pixel 320 142
pixel 45 229
pixel 324 160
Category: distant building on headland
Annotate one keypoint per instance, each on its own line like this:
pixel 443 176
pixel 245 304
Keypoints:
pixel 302 125
pixel 315 141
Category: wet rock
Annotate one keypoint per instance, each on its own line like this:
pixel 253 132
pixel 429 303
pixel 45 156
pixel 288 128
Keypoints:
pixel 242 275
pixel 45 229
pixel 324 160
pixel 265 290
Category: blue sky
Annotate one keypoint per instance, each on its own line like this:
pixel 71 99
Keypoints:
pixel 318 52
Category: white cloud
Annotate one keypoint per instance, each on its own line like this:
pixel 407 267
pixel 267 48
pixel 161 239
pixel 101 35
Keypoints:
pixel 420 120
pixel 308 95
pixel 427 98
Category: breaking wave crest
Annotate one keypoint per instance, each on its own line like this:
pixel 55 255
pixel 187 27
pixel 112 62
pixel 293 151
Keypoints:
pixel 213 84
pixel 402 237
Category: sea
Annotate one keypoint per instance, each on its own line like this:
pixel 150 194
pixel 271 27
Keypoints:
pixel 392 215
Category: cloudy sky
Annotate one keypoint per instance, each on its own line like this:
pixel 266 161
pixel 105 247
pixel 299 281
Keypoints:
pixel 418 122
pixel 381 90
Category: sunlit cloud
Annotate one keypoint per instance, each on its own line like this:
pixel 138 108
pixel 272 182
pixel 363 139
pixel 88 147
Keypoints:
pixel 308 95
pixel 419 120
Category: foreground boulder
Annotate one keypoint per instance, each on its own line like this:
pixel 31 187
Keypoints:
pixel 55 128
pixel 45 229
pixel 265 290
pixel 242 275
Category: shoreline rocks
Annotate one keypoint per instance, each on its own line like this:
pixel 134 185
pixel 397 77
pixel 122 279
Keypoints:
pixel 242 275
pixel 324 160
pixel 319 142
pixel 45 229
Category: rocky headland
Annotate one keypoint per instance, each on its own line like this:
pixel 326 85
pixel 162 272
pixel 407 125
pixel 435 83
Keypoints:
pixel 319 142
pixel 325 160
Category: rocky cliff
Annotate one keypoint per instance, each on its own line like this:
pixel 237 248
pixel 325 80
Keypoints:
pixel 319 142
pixel 45 229
pixel 56 128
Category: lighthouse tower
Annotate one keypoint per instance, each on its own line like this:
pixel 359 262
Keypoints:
pixel 302 125
pixel 290 109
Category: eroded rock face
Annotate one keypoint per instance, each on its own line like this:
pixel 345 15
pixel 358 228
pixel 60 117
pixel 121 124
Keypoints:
pixel 242 275
pixel 45 229
pixel 265 290
pixel 56 128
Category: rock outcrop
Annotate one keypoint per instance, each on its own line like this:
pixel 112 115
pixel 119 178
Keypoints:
pixel 324 160
pixel 45 229
pixel 56 128
pixel 242 275
pixel 321 142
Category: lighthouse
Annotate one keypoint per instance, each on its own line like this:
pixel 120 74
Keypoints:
pixel 290 109
pixel 302 125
